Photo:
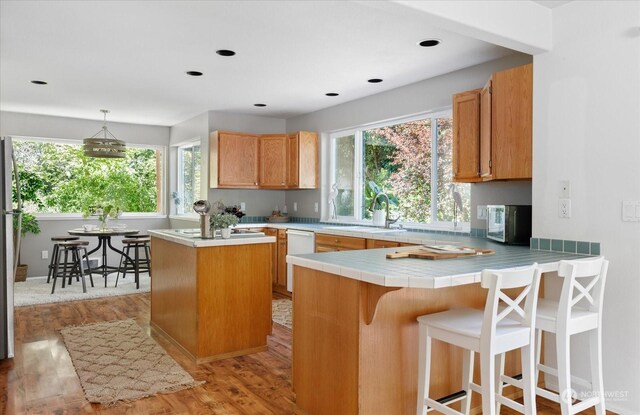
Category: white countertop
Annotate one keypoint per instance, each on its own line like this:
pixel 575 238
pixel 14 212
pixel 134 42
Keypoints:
pixel 243 239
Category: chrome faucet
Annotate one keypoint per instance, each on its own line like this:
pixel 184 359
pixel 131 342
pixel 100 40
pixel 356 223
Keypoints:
pixel 387 221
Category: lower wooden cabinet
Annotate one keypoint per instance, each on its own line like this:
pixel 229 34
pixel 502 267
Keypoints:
pixel 329 243
pixel 279 261
pixel 379 243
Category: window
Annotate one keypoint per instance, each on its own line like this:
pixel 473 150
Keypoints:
pixel 189 158
pixel 410 160
pixel 56 177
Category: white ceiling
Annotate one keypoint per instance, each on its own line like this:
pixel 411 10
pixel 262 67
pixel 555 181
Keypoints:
pixel 131 56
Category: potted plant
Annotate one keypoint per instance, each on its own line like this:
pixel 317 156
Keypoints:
pixel 222 221
pixel 29 225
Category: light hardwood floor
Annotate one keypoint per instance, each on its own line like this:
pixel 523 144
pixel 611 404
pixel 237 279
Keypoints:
pixel 42 380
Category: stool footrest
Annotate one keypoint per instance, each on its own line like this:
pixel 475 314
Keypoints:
pixel 510 403
pixel 435 405
pixel 554 372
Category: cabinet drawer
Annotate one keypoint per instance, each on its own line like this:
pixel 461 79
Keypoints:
pixel 379 243
pixel 342 242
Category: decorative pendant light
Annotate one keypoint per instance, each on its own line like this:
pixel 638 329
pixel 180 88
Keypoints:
pixel 104 147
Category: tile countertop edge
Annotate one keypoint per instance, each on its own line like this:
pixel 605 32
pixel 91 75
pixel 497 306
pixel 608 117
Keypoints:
pixel 386 279
pixel 203 243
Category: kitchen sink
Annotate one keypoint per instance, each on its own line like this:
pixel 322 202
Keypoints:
pixel 195 233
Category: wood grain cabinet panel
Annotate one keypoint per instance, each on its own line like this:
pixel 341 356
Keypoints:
pixel 379 243
pixel 502 149
pixel 327 243
pixel 273 161
pixel 466 136
pixel 511 123
pixel 233 160
pixel 302 150
pixel 274 255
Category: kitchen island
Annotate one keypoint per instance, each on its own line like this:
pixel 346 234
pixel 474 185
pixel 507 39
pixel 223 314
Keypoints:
pixel 211 297
pixel 355 335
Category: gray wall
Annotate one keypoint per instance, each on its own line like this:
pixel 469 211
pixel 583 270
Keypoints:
pixel 498 193
pixel 427 95
pixel 34 125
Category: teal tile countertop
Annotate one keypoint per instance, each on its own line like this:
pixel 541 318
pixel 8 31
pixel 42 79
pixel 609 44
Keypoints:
pixel 372 266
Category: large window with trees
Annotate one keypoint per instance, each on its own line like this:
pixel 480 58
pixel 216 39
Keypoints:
pixel 57 178
pixel 410 160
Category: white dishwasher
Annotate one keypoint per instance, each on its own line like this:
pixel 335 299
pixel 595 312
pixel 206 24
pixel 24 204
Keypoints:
pixel 298 242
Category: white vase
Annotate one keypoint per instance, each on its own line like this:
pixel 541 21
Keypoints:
pixel 226 233
pixel 379 217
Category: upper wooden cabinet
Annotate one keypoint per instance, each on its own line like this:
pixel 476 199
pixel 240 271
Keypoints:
pixel 273 161
pixel 233 160
pixel 501 135
pixel 466 130
pixel 302 170
pixel 267 161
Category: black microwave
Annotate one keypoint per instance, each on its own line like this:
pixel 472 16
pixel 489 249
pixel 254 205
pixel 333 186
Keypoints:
pixel 509 224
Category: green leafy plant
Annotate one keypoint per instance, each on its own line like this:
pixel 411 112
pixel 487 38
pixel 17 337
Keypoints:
pixel 223 220
pixel 372 190
pixel 102 212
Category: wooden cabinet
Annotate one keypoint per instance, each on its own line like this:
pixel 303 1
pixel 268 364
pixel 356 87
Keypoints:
pixel 501 135
pixel 267 161
pixel 233 160
pixel 281 282
pixel 466 133
pixel 274 255
pixel 379 243
pixel 279 261
pixel 330 243
pixel 302 156
pixel 273 161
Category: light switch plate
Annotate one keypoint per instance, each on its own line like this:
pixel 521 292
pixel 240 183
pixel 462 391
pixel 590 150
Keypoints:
pixel 565 189
pixel 315 207
pixel 295 206
pixel 631 211
pixel 243 207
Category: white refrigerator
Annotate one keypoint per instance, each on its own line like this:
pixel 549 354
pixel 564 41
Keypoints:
pixel 8 255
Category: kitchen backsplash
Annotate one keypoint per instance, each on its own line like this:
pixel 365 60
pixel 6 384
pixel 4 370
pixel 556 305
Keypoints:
pixel 561 245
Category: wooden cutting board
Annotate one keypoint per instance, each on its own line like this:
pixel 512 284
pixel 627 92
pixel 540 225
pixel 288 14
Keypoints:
pixel 429 253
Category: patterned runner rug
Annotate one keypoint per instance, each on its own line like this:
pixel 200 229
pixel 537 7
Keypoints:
pixel 117 361
pixel 281 312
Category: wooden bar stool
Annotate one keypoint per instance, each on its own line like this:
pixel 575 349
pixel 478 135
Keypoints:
pixel 496 330
pixel 579 310
pixel 65 269
pixel 142 264
pixel 54 253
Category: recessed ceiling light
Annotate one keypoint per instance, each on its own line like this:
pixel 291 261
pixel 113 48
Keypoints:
pixel 332 94
pixel 374 80
pixel 194 73
pixel 38 82
pixel 429 43
pixel 259 105
pixel 225 52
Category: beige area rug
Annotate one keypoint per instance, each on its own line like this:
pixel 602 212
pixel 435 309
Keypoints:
pixel 281 312
pixel 117 361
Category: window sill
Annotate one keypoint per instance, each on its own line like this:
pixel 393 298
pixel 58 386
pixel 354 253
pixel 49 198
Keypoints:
pixel 188 218
pixel 463 228
pixel 78 216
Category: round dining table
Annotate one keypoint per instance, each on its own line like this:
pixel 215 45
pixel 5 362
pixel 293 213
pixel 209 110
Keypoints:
pixel 104 241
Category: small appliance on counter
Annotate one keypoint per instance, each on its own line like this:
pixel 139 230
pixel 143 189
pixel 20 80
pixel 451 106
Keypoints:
pixel 509 224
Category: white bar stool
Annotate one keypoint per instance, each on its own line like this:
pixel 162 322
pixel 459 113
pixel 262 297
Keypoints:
pixel 586 279
pixel 490 333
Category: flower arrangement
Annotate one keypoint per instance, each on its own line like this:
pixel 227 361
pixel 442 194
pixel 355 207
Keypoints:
pixel 103 212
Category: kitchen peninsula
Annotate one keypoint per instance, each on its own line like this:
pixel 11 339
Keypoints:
pixel 355 335
pixel 211 297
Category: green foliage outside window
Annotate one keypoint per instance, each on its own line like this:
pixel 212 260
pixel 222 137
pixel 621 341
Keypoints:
pixel 59 178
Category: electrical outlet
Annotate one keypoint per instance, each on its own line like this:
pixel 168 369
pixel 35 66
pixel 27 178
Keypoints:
pixel 482 212
pixel 565 189
pixel 295 206
pixel 45 254
pixel 243 206
pixel 315 207
pixel 564 208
